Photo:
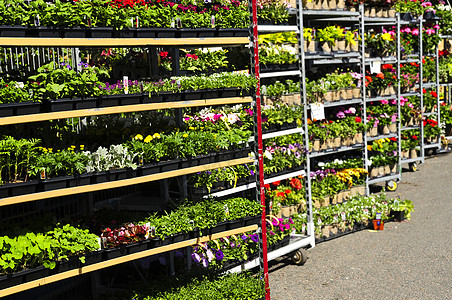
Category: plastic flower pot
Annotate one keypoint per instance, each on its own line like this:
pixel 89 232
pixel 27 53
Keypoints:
pixel 13 31
pixel 74 32
pixel 378 224
pixel 22 188
pixel 61 105
pixel 27 108
pixel 399 216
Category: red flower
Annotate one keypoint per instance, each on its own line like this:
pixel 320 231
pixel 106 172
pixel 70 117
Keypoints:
pixel 386 66
pixel 381 76
pixel 424 91
pixel 295 183
pixel 414 137
pixel 163 54
pixel 423 60
pixel 276 183
pixel 434 94
pixel 358 120
pixel 267 186
pixel 287 191
pixel 281 194
pixel 330 121
pixel 393 139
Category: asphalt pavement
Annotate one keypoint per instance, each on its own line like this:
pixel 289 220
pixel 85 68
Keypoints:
pixel 407 260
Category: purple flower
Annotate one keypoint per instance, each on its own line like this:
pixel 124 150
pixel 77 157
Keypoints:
pixel 244 237
pixel 196 257
pixel 219 255
pixel 205 263
pixel 255 238
pixel 340 115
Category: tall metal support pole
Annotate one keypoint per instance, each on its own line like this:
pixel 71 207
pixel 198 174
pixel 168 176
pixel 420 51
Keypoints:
pixel 438 109
pixel 399 111
pixel 259 145
pixel 421 86
pixel 363 91
pixel 302 67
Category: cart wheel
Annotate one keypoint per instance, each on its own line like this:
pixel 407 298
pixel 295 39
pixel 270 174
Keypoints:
pixel 391 185
pixel 300 256
pixel 413 167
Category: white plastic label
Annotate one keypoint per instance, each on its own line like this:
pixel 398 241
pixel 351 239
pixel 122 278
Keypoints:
pixel 226 210
pixel 343 216
pixel 317 111
pixel 303 228
pixel 378 216
pixel 375 67
pixel 125 79
pixel 148 229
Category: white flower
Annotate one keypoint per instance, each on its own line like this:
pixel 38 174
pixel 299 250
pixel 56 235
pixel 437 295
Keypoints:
pixel 321 164
pixel 20 85
pixel 268 155
pixel 232 118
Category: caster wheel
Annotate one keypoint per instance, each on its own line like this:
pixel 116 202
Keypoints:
pixel 300 256
pixel 391 185
pixel 413 167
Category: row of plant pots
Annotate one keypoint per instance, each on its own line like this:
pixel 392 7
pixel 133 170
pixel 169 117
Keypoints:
pixel 337 142
pixel 340 197
pixel 25 108
pixel 382 129
pixel 381 171
pixel 33 186
pixel 337 95
pixel 411 153
pixel 338 46
pixel 388 91
pixel 8 280
pixel 110 32
pixel 278 68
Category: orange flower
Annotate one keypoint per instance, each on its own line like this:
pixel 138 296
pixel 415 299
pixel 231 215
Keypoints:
pixel 381 76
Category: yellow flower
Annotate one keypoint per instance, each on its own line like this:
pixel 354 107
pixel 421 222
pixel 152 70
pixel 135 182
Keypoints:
pixel 73 147
pixel 369 147
pixel 139 137
pixel 82 146
pixel 202 127
pixel 50 150
pixel 148 139
pixel 185 135
pixel 156 136
pixel 191 128
pixel 386 37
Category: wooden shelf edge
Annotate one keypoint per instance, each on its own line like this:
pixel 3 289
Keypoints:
pixel 119 109
pixel 120 183
pixel 124 42
pixel 120 260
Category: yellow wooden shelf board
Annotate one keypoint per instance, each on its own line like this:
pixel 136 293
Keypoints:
pixel 120 260
pixel 119 109
pixel 120 42
pixel 120 183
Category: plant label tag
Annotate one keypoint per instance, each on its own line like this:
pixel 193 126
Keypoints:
pixel 30 93
pixel 141 160
pixel 179 23
pixel 212 21
pixel 319 221
pixel 294 231
pixel 378 216
pixel 37 23
pixel 99 241
pixel 19 85
pixel 375 67
pixel 104 242
pixel 343 216
pixel 141 87
pixel 152 230
pixel 42 174
pixel 148 230
pixel 303 228
pixel 172 23
pixel 125 79
pixel 131 22
pixel 264 89
pixel 226 210
pixel 137 23
pixel 317 111
pixel 88 21
pixel 335 218
pixel 396 204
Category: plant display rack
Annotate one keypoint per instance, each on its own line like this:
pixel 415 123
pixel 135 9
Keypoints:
pixel 141 42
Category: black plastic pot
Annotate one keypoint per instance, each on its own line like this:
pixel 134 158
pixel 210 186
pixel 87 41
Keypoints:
pixel 166 33
pixel 27 108
pixel 23 188
pixel 130 99
pixel 180 237
pixel 99 177
pixel 109 100
pixel 13 31
pixel 206 32
pixel 406 16
pixel 188 162
pixel 100 32
pixel 4 191
pixel 170 165
pixel 138 246
pixel 210 94
pixel 430 15
pixel 6 110
pixel 232 32
pixel 54 183
pixel 125 33
pixel 220 227
pixel 149 169
pixel 114 252
pixel 131 173
pixel 399 216
pixel 234 224
pixel 146 32
pixel 192 95
pixel 67 264
pixel 10 280
pixel 252 220
pixel 74 32
pixel 47 31
pixel 157 242
pixel 85 103
pixel 92 258
pixel 187 33
pixel 117 174
pixel 229 92
pixel 61 105
pixel 170 96
pixel 83 179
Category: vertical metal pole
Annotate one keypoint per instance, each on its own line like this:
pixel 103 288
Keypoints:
pixel 260 189
pixel 399 110
pixel 363 92
pixel 302 67
pixel 438 119
pixel 421 87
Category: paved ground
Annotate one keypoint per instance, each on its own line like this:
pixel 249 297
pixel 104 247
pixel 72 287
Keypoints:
pixel 409 260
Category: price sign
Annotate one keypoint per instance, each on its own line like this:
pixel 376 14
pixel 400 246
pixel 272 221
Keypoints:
pixel 317 111
pixel 375 67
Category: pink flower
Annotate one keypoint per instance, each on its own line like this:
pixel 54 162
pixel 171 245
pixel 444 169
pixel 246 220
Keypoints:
pixel 384 101
pixel 410 105
pixel 406 30
pixel 430 31
pixel 394 118
pixel 436 27
pixel 425 4
pixel 393 101
pixel 415 31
